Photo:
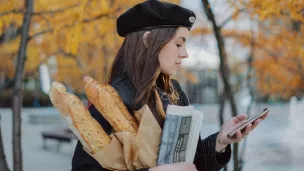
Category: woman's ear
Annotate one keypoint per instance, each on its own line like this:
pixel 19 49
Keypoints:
pixel 146 38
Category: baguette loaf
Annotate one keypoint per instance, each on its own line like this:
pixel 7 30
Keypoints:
pixel 109 104
pixel 84 126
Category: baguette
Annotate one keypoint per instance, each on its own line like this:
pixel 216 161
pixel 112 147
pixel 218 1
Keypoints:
pixel 84 126
pixel 109 104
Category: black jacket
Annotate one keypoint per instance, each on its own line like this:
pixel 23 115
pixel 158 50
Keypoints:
pixel 206 158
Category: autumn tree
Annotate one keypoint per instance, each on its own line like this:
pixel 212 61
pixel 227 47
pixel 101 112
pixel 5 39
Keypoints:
pixel 279 56
pixel 224 70
pixel 75 37
pixel 275 53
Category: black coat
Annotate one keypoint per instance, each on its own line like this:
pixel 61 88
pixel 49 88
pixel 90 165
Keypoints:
pixel 206 158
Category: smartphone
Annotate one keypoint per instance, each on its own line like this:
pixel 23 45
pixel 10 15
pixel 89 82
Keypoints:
pixel 241 127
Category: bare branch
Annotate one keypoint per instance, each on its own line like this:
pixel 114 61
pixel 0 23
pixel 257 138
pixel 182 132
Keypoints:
pixel 11 11
pixel 300 65
pixel 86 20
pixel 231 17
pixel 295 71
pixel 224 70
pixel 55 11
pixel 16 11
pixel 64 53
pixel 40 33
pixel 258 45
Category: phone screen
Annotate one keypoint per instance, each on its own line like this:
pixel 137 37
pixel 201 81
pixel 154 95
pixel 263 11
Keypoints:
pixel 241 127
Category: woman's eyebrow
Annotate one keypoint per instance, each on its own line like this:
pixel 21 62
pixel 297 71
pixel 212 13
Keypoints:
pixel 183 39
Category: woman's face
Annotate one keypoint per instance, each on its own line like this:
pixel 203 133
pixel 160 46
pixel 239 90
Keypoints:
pixel 172 54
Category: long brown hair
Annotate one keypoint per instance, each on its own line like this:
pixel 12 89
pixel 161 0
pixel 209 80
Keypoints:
pixel 141 65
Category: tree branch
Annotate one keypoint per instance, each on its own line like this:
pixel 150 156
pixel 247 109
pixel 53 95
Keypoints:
pixel 224 70
pixel 258 45
pixel 18 85
pixel 64 53
pixel 55 11
pixel 86 20
pixel 34 13
pixel 40 33
pixel 11 11
pixel 40 12
pixel 231 17
pixel 250 88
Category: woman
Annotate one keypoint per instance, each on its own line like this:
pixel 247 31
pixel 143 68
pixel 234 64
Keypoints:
pixel 155 34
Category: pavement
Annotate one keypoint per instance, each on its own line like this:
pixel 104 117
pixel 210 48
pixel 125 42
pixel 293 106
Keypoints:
pixel 276 145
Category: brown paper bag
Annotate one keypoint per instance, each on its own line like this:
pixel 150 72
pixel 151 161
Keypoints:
pixel 147 141
pixel 112 156
pixel 128 151
pixel 126 139
pixel 141 150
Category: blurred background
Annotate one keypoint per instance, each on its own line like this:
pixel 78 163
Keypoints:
pixel 244 55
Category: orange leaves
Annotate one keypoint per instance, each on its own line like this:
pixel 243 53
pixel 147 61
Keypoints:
pixel 9 5
pixel 201 31
pixel 80 34
pixel 104 6
pixel 274 8
pixel 72 39
pixel 68 72
pixel 74 36
pixel 278 63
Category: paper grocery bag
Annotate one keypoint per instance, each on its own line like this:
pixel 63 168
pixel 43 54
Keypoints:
pixel 141 150
pixel 129 151
pixel 146 143
pixel 111 157
pixel 126 139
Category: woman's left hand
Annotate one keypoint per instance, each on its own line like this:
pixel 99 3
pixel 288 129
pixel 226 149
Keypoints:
pixel 223 140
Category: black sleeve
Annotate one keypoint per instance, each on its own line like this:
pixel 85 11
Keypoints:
pixel 82 161
pixel 206 156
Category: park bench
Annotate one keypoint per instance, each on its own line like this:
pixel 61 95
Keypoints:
pixel 63 135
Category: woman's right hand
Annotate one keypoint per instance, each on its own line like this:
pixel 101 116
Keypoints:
pixel 182 166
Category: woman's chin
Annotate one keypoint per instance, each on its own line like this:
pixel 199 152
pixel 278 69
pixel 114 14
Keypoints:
pixel 170 73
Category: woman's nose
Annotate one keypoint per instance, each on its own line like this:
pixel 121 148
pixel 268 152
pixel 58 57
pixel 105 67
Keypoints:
pixel 183 53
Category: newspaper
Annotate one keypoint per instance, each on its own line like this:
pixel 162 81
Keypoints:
pixel 180 135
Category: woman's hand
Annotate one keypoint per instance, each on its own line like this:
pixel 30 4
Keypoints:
pixel 175 167
pixel 223 140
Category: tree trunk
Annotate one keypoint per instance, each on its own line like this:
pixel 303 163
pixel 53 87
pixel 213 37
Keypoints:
pixel 17 96
pixel 224 70
pixel 250 88
pixel 3 163
pixel 221 113
pixel 222 108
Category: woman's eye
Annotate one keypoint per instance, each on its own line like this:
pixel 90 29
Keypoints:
pixel 178 45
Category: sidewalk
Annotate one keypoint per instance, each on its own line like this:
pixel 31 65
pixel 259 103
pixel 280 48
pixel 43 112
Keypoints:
pixel 35 158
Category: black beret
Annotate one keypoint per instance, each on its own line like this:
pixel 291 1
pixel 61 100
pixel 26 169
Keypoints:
pixel 153 14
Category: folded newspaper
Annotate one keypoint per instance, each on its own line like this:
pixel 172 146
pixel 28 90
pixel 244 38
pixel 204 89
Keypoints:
pixel 180 134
